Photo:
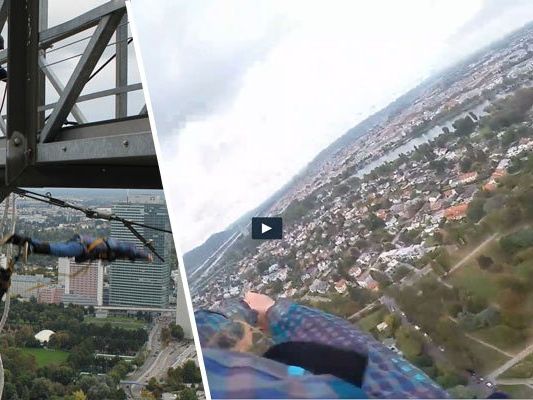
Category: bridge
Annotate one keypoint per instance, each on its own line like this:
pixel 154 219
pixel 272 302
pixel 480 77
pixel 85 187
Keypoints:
pixel 132 383
pixel 111 356
pixel 55 144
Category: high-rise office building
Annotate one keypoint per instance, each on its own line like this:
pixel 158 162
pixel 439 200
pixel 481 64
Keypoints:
pixel 83 282
pixel 141 283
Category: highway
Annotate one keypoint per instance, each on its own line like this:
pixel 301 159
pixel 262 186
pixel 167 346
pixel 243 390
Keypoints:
pixel 203 279
pixel 476 383
pixel 158 360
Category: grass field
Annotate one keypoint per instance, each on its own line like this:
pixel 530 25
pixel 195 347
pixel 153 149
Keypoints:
pixel 517 391
pixel 489 359
pixel 45 357
pixel 119 322
pixel 475 280
pixel 503 337
pixel 371 320
pixel 522 370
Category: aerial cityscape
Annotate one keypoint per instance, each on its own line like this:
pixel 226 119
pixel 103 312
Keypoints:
pixel 113 324
pixel 415 226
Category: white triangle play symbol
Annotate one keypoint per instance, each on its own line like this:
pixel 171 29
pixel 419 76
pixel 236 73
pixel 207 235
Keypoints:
pixel 265 228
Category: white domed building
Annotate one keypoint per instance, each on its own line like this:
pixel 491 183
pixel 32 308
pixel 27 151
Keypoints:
pixel 44 336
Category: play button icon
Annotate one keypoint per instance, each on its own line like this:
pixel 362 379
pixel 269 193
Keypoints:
pixel 267 228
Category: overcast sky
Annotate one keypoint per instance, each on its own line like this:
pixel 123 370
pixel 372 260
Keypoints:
pixel 246 93
pixel 60 11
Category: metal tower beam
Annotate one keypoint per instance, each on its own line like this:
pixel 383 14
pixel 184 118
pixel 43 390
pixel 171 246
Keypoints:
pixel 39 150
pixel 79 24
pixel 22 124
pixel 109 154
pixel 105 29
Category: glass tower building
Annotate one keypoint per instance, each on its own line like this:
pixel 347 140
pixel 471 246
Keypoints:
pixel 141 283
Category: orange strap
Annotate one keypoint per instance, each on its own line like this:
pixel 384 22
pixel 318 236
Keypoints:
pixel 94 244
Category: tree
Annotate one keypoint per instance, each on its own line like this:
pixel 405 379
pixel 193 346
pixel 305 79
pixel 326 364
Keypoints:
pixel 380 277
pixel 191 373
pixel 58 373
pixel 373 222
pixel 439 166
pixel 475 210
pixel 176 331
pixel 361 295
pixel 188 394
pixel 119 371
pixel 464 126
pixel 154 387
pixel 409 342
pixel 465 164
pixel 393 321
pixel 41 389
pixel 60 340
pixel 451 379
pixel 147 395
pixel 165 335
pixel 262 267
pixel 514 242
pixel 484 262
pixel 79 395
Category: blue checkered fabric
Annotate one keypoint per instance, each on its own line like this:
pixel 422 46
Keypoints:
pixel 233 375
pixel 387 374
pixel 244 375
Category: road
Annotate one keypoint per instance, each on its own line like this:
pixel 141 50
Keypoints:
pixel 158 360
pixel 204 279
pixel 527 382
pixel 157 366
pixel 519 357
pixel 153 345
pixel 363 310
pixel 187 354
pixel 215 255
pixel 474 382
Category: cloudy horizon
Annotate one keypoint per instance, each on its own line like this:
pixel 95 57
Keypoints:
pixel 245 95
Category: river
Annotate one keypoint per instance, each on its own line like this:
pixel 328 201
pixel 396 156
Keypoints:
pixel 427 136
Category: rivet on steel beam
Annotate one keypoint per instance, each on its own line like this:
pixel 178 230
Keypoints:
pixel 126 143
pixel 64 148
pixel 17 141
